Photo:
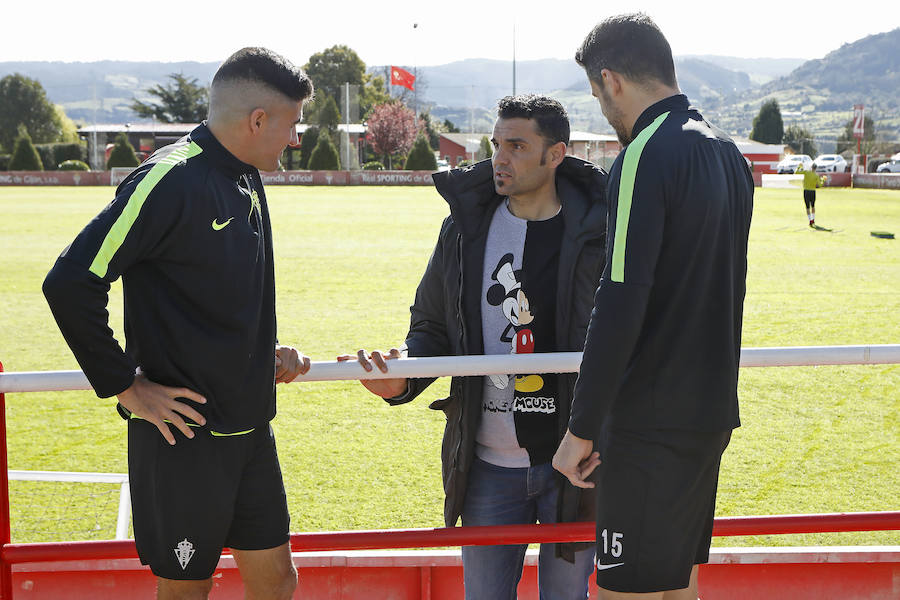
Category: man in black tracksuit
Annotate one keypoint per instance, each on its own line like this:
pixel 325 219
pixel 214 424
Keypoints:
pixel 514 271
pixel 189 233
pixel 658 381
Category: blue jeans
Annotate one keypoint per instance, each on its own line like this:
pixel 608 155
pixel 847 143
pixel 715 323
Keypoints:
pixel 503 496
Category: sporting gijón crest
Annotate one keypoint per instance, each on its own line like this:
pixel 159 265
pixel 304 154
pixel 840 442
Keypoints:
pixel 183 552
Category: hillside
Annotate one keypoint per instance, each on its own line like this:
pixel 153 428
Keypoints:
pixel 760 70
pixel 114 84
pixel 817 94
pixel 821 93
pixel 467 91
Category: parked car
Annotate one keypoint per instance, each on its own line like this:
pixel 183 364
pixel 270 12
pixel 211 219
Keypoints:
pixel 443 165
pixel 830 163
pixel 790 163
pixel 891 166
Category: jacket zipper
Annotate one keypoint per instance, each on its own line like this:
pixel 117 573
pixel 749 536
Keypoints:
pixel 462 346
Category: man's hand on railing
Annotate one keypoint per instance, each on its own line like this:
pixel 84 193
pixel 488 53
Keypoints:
pixel 386 388
pixel 289 364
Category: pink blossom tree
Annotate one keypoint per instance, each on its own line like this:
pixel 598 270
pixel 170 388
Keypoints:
pixel 391 130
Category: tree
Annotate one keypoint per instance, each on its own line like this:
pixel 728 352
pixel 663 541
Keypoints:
pixel 450 127
pixel 23 101
pixel 324 156
pixel 328 116
pixel 182 101
pixel 373 93
pixel 431 129
pixel 392 130
pixel 768 126
pixel 333 67
pixel 800 140
pixel 68 130
pixel 485 150
pixel 122 154
pixel 25 156
pixel 847 141
pixel 307 144
pixel 421 157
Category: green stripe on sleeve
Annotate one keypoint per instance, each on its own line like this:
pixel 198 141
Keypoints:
pixel 122 226
pixel 626 192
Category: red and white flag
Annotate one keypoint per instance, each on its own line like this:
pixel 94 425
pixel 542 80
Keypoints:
pixel 402 77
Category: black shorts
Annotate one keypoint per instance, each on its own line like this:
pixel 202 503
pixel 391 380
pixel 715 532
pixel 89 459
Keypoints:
pixel 809 197
pixel 656 502
pixel 191 500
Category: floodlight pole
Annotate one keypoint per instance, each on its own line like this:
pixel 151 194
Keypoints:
pixel 347 121
pixel 514 59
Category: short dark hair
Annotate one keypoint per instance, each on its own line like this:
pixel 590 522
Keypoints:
pixel 261 65
pixel 630 44
pixel 548 114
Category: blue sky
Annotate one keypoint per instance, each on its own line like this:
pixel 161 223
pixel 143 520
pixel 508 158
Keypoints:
pixel 445 31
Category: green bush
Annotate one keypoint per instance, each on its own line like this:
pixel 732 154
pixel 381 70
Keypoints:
pixel 56 153
pixel 290 159
pixel 70 151
pixel 25 156
pixel 307 144
pixel 122 154
pixel 421 157
pixel 45 151
pixel 4 162
pixel 373 165
pixel 73 165
pixel 325 156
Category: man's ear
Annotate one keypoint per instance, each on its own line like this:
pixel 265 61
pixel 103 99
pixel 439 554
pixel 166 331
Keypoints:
pixel 556 153
pixel 256 120
pixel 612 82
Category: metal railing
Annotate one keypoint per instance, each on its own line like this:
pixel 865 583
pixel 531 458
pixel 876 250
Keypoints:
pixel 493 364
pixel 558 362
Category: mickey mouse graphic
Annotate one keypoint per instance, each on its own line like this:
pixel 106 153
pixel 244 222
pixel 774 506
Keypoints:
pixel 508 294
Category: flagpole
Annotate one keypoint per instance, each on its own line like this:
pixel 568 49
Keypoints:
pixel 415 76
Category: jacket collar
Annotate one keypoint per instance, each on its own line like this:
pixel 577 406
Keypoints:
pixel 678 102
pixel 472 198
pixel 218 153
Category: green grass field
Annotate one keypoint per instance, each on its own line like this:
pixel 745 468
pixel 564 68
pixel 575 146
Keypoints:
pixel 814 439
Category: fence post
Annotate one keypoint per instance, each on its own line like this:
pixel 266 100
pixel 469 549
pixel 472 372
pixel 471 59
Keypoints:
pixel 5 567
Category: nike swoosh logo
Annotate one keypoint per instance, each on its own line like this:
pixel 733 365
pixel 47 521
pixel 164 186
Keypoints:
pixel 218 226
pixel 604 567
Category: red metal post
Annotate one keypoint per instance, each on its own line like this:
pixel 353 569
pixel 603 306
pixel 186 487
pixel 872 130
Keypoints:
pixel 5 538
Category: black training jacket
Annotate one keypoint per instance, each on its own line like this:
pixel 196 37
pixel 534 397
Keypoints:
pixel 446 314
pixel 189 233
pixel 663 346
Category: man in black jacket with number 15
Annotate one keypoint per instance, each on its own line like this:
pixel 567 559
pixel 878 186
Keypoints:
pixel 658 381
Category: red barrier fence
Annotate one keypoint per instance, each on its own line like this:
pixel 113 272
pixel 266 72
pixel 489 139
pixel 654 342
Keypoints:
pixel 336 178
pixel 357 178
pixel 469 536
